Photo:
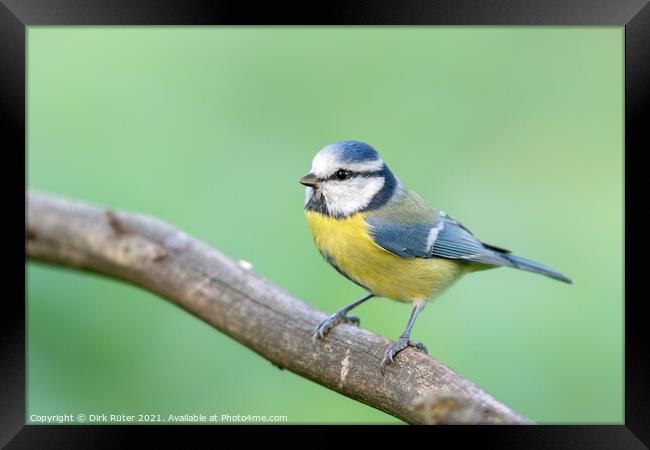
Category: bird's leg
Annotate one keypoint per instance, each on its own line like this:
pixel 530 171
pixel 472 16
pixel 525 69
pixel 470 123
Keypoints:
pixel 404 340
pixel 339 316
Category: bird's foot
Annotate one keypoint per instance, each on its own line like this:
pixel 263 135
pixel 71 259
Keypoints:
pixel 397 347
pixel 326 325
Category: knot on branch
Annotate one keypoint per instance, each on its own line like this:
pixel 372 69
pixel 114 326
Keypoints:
pixel 450 408
pixel 116 224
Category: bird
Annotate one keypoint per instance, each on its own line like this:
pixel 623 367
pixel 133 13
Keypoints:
pixel 385 238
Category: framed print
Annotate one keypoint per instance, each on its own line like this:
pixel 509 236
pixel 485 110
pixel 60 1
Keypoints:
pixel 171 277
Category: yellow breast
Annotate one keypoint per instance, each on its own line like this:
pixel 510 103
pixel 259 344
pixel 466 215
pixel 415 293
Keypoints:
pixel 348 246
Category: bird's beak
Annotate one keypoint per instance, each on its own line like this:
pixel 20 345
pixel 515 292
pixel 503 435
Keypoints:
pixel 310 180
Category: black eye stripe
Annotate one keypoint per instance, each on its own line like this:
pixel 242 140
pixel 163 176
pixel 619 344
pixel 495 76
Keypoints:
pixel 351 174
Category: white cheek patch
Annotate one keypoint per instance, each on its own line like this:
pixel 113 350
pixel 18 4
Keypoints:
pixel 326 163
pixel 349 196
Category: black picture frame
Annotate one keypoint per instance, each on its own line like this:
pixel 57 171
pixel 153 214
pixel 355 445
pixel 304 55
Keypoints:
pixel 17 15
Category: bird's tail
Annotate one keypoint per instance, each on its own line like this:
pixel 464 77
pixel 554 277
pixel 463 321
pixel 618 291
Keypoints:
pixel 532 266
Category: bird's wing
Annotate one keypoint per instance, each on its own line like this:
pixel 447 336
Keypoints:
pixel 410 228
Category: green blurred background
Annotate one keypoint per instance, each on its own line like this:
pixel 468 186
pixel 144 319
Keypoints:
pixel 517 132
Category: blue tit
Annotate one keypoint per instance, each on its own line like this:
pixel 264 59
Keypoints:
pixel 387 239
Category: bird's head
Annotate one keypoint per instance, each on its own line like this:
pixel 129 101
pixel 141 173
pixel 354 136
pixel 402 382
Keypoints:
pixel 347 177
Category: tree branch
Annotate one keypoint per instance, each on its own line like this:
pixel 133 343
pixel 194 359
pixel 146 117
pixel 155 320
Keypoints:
pixel 251 310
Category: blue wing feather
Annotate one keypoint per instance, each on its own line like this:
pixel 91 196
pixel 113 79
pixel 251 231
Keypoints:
pixel 454 241
pixel 407 241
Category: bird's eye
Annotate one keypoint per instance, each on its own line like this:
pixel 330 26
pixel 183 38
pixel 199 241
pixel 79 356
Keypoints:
pixel 342 174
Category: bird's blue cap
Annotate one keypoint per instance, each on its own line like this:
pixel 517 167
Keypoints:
pixel 352 151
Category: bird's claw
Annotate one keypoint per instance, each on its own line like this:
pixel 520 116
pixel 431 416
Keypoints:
pixel 326 325
pixel 353 320
pixel 398 346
